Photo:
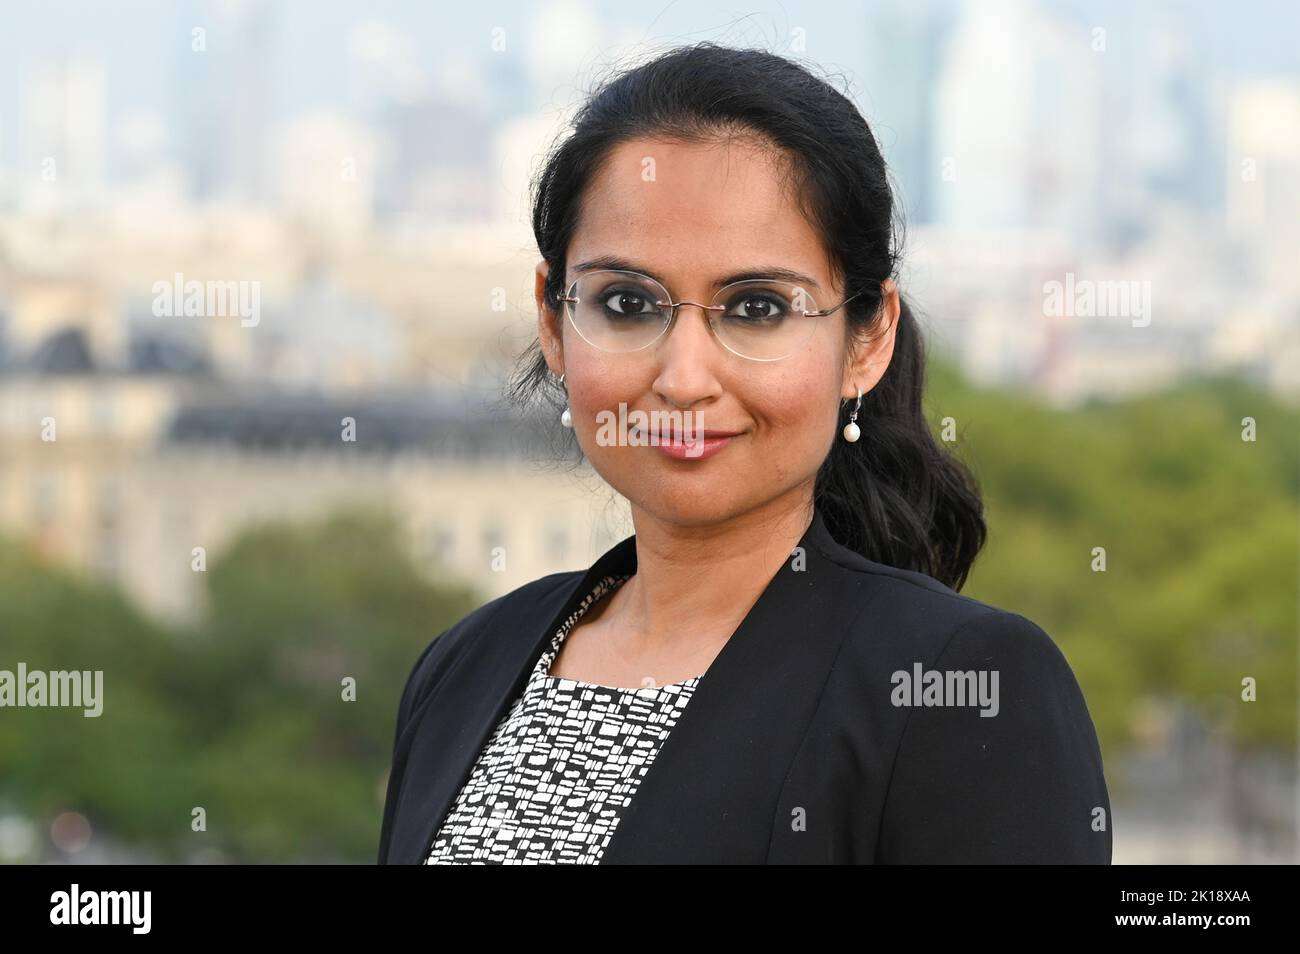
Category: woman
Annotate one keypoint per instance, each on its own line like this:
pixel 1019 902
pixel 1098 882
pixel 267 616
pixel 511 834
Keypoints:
pixel 777 666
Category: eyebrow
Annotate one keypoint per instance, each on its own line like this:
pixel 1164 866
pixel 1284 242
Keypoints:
pixel 763 271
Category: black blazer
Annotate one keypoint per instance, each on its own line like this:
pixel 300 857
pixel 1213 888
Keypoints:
pixel 794 749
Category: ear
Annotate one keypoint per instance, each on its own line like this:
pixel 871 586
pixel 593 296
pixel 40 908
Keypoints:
pixel 871 353
pixel 550 326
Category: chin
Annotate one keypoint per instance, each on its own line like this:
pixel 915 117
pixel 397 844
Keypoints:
pixel 687 510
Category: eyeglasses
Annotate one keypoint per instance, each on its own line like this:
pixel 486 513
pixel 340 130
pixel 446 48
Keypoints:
pixel 759 319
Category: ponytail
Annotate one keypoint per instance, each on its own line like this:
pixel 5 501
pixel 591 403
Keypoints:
pixel 897 496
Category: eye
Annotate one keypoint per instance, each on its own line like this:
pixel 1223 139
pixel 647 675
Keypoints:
pixel 759 307
pixel 628 302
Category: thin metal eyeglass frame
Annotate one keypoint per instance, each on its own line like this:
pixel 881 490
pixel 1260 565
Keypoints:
pixel 570 300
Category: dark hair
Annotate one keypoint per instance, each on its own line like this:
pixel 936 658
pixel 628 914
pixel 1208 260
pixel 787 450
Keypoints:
pixel 896 496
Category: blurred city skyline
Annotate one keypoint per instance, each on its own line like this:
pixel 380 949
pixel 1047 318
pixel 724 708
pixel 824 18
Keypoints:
pixel 1033 143
pixel 135 82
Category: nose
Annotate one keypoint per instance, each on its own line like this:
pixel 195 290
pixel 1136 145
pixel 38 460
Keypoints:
pixel 706 311
pixel 685 374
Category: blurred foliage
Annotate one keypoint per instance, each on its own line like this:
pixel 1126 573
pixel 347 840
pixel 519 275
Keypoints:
pixel 1201 532
pixel 243 714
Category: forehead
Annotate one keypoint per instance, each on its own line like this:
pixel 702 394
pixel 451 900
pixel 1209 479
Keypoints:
pixel 692 208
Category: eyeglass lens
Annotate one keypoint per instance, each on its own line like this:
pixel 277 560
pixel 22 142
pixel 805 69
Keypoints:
pixel 623 311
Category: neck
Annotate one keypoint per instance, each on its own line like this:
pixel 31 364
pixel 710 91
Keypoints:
pixel 695 583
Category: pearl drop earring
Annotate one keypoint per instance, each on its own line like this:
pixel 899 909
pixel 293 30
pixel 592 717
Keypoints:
pixel 566 418
pixel 851 430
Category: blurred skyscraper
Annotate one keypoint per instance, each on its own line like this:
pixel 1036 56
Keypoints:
pixel 65 133
pixel 1016 123
pixel 224 96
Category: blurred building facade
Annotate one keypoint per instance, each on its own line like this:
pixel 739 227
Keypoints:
pixel 122 474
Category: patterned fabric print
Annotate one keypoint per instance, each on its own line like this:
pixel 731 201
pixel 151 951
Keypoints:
pixel 549 786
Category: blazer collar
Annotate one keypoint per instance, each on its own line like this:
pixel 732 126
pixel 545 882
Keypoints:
pixel 714 784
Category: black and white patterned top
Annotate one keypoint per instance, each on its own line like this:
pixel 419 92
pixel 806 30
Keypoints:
pixel 567 757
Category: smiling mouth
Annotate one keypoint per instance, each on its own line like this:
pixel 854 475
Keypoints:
pixel 677 437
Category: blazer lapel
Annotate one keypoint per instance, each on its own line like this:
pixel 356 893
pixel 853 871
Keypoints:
pixel 711 792
pixel 458 719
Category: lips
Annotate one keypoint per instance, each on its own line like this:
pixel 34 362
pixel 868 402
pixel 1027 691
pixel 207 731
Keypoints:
pixel 677 437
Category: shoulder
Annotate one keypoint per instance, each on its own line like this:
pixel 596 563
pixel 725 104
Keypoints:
pixel 998 759
pixel 524 600
pixel 903 619
pixel 995 754
pixel 907 619
pixel 908 612
pixel 530 601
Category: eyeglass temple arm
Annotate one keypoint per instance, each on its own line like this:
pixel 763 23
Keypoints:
pixel 830 311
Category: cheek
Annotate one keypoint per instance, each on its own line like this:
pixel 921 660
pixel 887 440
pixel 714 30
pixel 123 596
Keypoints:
pixel 799 405
pixel 596 389
pixel 594 385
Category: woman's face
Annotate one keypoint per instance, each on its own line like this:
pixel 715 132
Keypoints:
pixel 707 212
